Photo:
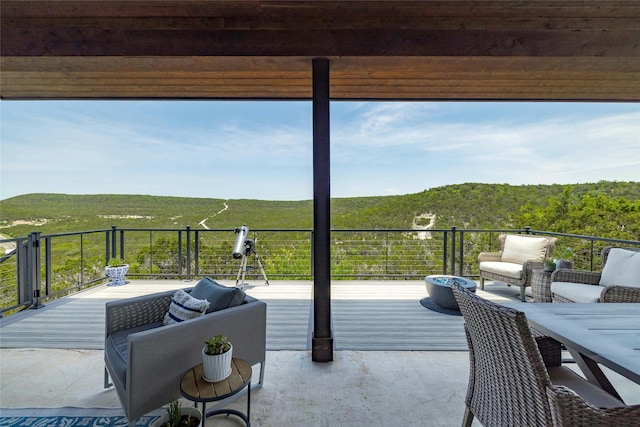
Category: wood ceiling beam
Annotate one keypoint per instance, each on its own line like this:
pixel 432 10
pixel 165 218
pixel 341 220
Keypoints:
pixel 485 49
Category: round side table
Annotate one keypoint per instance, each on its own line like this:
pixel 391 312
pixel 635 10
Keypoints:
pixel 196 389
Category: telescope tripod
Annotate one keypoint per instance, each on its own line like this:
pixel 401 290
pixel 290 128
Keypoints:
pixel 243 270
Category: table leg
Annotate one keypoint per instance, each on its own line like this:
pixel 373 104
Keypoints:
pixel 249 404
pixel 593 373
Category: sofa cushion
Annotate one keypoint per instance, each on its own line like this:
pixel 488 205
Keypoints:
pixel 115 347
pixel 184 307
pixel 622 268
pixel 219 296
pixel 577 292
pixel 518 249
pixel 508 269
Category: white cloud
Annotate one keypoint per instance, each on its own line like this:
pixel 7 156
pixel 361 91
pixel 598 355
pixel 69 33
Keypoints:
pixel 265 150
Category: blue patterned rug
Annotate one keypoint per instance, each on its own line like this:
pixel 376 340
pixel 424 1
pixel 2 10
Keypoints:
pixel 70 417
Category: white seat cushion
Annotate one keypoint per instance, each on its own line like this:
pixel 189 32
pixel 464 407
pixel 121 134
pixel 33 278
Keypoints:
pixel 519 249
pixel 508 269
pixel 577 292
pixel 622 268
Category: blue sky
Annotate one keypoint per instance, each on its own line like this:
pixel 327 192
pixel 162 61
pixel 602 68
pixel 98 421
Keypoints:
pixel 263 150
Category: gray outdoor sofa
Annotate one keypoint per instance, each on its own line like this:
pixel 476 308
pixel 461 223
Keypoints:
pixel 146 359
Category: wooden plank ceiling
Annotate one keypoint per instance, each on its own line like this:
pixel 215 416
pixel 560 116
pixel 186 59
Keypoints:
pixel 424 50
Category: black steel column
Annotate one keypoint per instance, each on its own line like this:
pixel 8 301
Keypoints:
pixel 322 340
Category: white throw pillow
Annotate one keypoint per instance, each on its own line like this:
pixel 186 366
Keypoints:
pixel 184 307
pixel 622 268
pixel 518 249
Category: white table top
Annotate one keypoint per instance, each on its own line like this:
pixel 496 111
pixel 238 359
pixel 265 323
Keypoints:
pixel 608 333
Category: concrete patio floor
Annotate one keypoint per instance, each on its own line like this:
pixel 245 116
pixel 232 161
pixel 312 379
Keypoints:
pixel 359 388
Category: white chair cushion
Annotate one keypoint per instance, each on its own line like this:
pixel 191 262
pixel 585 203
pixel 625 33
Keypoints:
pixel 622 268
pixel 518 249
pixel 577 292
pixel 508 269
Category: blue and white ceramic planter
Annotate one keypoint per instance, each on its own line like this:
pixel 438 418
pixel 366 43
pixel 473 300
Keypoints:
pixel 116 274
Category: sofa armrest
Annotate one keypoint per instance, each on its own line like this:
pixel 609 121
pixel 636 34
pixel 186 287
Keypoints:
pixel 158 358
pixel 528 267
pixel 531 264
pixel 489 256
pixel 620 294
pixel 132 312
pixel 575 276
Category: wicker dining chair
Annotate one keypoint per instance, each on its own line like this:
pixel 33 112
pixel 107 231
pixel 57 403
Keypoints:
pixel 508 379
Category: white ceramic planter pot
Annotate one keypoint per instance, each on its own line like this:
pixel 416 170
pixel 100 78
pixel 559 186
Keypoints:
pixel 188 410
pixel 216 367
pixel 116 274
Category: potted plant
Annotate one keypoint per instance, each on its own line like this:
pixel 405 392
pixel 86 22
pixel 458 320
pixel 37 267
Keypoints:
pixel 563 255
pixel 216 358
pixel 549 265
pixel 116 269
pixel 177 416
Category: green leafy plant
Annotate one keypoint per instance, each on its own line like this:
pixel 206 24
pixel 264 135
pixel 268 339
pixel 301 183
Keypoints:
pixel 217 345
pixel 175 417
pixel 549 265
pixel 563 252
pixel 116 262
pixel 174 410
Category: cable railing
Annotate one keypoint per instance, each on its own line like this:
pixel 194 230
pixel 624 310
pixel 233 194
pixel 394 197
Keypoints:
pixel 44 267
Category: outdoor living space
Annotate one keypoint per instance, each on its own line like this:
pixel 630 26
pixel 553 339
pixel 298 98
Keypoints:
pixel 396 362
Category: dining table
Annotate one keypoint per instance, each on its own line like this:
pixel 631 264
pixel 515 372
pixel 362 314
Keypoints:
pixel 595 334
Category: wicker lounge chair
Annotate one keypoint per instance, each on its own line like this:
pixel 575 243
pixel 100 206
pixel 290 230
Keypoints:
pixel 146 359
pixel 590 286
pixel 509 382
pixel 518 256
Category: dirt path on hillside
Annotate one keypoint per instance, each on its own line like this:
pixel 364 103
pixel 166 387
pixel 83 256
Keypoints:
pixel 203 223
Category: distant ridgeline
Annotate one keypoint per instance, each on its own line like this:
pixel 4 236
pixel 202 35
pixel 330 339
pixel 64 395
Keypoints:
pixel 606 209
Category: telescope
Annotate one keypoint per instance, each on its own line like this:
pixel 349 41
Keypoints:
pixel 239 247
pixel 244 248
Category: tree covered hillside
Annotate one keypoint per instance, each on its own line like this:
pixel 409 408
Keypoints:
pixel 603 207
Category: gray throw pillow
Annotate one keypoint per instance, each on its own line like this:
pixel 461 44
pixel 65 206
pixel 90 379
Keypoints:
pixel 219 296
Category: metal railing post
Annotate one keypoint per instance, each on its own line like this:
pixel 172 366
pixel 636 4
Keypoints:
pixel 107 247
pixel 188 238
pixel 312 254
pixel 25 292
pixel 180 264
pixel 122 244
pixel 445 246
pixel 113 243
pixel 47 265
pixel 33 270
pixel 196 252
pixel 461 254
pixel 453 250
